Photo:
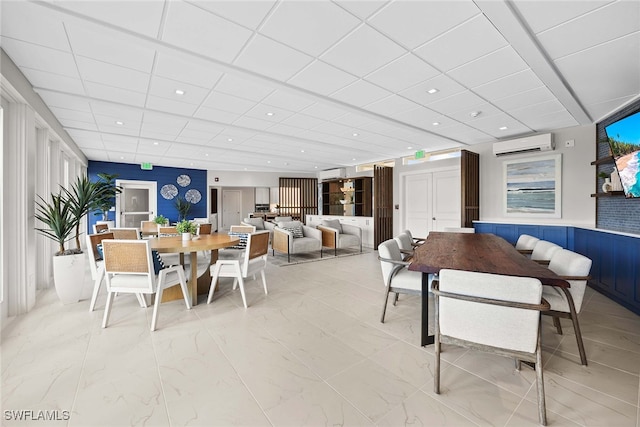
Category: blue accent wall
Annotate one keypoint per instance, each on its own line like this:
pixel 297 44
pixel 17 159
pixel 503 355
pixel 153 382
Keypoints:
pixel 615 257
pixel 162 176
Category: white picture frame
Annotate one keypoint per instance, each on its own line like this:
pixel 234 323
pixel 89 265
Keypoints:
pixel 533 187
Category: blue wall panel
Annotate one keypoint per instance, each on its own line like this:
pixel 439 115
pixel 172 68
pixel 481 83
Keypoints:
pixel 162 176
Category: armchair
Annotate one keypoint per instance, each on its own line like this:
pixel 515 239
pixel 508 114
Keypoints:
pixel 292 237
pixel 338 236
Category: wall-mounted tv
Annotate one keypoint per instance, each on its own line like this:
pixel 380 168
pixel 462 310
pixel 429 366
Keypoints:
pixel 624 140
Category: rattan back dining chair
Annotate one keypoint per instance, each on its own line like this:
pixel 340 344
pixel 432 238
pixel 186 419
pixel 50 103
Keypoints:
pixel 96 263
pixel 491 313
pixel 125 233
pixel 129 268
pixel 252 262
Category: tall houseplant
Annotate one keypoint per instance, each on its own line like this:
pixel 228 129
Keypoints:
pixel 81 197
pixel 107 191
pixel 183 206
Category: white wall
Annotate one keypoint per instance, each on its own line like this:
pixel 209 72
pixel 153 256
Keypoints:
pixel 578 179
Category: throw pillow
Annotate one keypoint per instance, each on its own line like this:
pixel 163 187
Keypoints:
pixel 295 231
pixel 100 253
pixel 243 240
pixel 158 264
pixel 333 223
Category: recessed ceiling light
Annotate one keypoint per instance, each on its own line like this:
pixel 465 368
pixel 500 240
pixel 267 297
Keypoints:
pixel 409 148
pixel 475 113
pixel 270 113
pixel 190 164
pixel 353 159
pixel 206 154
pixel 179 92
pixel 156 143
pixel 356 134
pixel 302 151
pixel 286 163
pixel 433 90
pixel 268 161
pixel 229 139
pixel 503 128
pixel 436 123
pixel 119 123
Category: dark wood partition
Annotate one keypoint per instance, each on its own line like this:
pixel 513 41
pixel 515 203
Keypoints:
pixel 382 204
pixel 470 187
pixel 298 197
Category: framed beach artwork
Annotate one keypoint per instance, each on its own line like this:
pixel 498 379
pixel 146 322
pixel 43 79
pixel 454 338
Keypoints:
pixel 533 187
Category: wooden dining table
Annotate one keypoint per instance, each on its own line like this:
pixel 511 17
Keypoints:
pixel 204 242
pixel 479 252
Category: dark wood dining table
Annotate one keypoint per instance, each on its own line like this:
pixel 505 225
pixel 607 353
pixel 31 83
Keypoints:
pixel 479 252
pixel 204 242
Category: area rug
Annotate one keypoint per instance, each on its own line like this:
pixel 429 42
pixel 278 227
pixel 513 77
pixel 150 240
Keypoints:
pixel 280 259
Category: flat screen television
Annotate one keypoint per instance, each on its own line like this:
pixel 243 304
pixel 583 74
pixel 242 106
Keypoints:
pixel 624 140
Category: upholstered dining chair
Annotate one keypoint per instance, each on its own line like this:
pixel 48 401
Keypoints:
pixel 526 243
pixel 129 268
pixel 415 240
pixel 252 262
pixel 543 251
pixel 567 302
pixel 96 263
pixel 396 275
pixel 405 243
pixel 490 313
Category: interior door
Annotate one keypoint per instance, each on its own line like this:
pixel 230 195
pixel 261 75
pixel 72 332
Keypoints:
pixel 137 202
pixel 418 207
pixel 231 204
pixel 447 205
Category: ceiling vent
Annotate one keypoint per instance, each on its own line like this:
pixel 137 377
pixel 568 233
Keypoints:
pixel 543 142
pixel 332 174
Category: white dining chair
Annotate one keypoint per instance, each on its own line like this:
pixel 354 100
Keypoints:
pixel 405 244
pixel 543 251
pixel 96 263
pixel 526 243
pixel 129 268
pixel 491 313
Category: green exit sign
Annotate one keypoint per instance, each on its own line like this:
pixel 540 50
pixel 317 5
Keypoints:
pixel 146 166
pixel 420 154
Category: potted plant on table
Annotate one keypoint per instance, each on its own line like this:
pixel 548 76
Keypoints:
pixel 186 228
pixel 161 220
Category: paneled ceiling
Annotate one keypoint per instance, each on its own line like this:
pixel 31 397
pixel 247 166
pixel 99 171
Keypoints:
pixel 303 86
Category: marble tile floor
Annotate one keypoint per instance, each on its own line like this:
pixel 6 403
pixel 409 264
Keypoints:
pixel 311 353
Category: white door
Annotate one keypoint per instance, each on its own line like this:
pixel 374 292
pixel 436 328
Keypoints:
pixel 231 203
pixel 447 200
pixel 136 203
pixel 417 205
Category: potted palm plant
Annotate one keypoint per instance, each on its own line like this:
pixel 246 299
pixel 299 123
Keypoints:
pixel 183 206
pixel 106 197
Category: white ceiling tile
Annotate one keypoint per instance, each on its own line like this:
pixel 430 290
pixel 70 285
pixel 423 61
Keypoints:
pixel 195 30
pixel 285 129
pixel 40 58
pixel 421 117
pixel 114 94
pixel 78 124
pixel 248 13
pixel 466 42
pixel 303 121
pixel 552 122
pixel 483 110
pixel 391 105
pixel 311 26
pixel 64 113
pixel 362 52
pixel 445 85
pixel 110 47
pixel 139 16
pixel 522 99
pixel 233 104
pixel 465 134
pixel 268 113
pixel 612 21
pixel 402 73
pixel 323 111
pixel 536 110
pixel 243 88
pixel 555 12
pixel 322 78
pixel 33 23
pixel 491 125
pixel 170 106
pixel 272 59
pixel 42 79
pixel 521 81
pixel 287 100
pixel 606 79
pixel 252 123
pixel 362 9
pixel 216 115
pixel 416 22
pixel 112 75
pixel 360 93
pixel 354 119
pixel 166 88
pixel 490 67
pixel 117 112
pixel 192 72
pixel 463 101
pixel 601 110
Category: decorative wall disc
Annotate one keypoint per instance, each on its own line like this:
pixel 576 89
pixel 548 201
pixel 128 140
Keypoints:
pixel 183 180
pixel 169 191
pixel 193 196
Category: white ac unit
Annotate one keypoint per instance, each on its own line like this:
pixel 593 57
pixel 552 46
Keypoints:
pixel 543 142
pixel 332 174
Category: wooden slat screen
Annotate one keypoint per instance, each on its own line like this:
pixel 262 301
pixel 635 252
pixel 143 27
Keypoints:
pixel 383 204
pixel 470 188
pixel 298 197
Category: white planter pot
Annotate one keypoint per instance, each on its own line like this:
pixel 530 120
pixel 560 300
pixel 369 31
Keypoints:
pixel 68 277
pixel 186 236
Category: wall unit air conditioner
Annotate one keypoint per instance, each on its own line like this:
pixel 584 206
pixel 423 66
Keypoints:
pixel 543 142
pixel 332 174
